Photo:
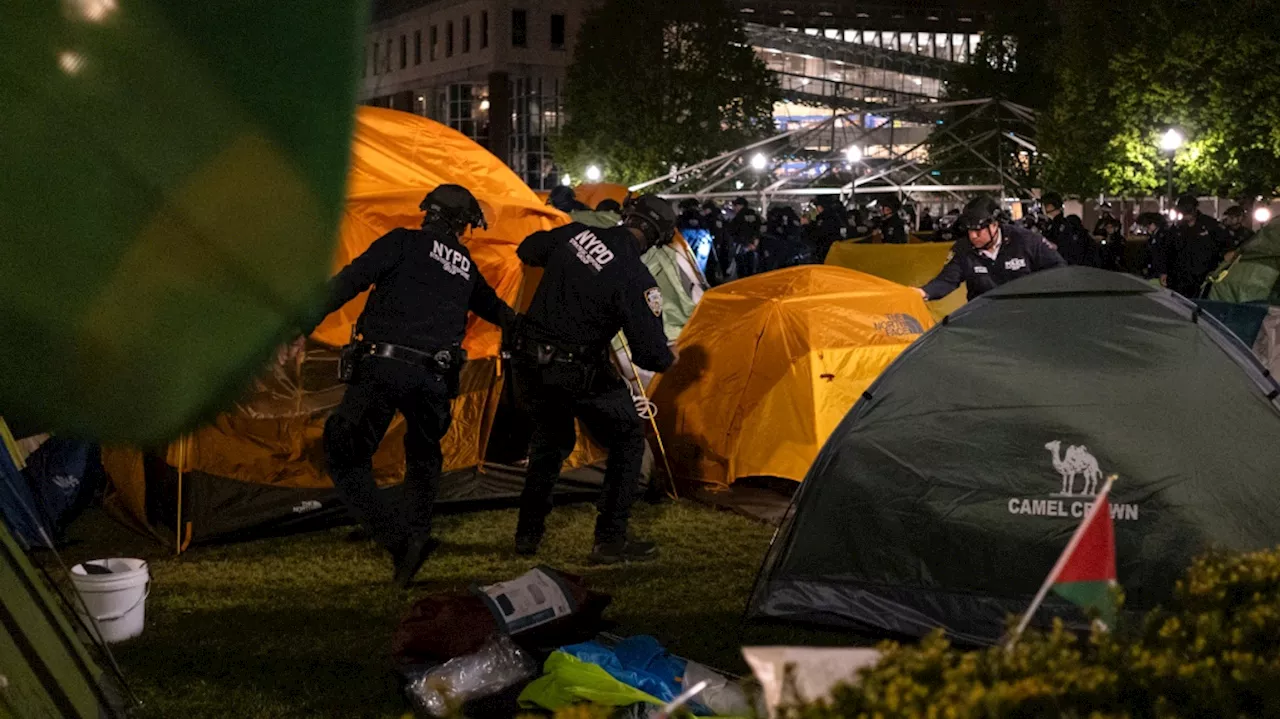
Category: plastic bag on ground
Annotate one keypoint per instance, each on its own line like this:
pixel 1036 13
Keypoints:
pixel 498 664
pixel 568 680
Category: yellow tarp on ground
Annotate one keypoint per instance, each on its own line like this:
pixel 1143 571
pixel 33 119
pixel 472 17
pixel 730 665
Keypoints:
pixel 769 365
pixel 912 264
pixel 273 435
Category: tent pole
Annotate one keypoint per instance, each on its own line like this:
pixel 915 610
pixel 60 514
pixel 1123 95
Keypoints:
pixel 652 416
pixel 182 463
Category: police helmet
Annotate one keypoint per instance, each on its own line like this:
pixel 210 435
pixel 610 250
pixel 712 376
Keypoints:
pixel 688 203
pixel 563 198
pixel 710 206
pixel 826 202
pixel 653 216
pixel 609 205
pixel 1234 211
pixel 892 203
pixel 1187 203
pixel 740 202
pixel 980 212
pixel 455 206
pixel 1052 198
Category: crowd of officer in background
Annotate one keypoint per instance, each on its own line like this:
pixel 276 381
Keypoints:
pixel 1180 253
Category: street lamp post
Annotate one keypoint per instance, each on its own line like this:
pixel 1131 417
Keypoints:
pixel 1170 141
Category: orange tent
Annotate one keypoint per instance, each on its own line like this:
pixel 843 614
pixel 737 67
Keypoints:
pixel 262 463
pixel 593 194
pixel 769 365
pixel 911 264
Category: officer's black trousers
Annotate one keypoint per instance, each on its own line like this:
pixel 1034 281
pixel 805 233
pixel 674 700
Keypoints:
pixel 354 431
pixel 609 415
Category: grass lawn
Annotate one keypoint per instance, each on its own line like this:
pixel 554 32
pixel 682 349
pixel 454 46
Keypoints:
pixel 300 626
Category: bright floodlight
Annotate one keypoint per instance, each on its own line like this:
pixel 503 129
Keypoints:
pixel 758 161
pixel 484 106
pixel 854 153
pixel 593 174
pixel 566 180
pixel 1171 140
pixel 1262 215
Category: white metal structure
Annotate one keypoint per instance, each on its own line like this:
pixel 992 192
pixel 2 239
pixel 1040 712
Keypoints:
pixel 896 150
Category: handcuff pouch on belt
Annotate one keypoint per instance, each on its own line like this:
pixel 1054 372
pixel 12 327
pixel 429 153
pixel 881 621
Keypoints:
pixel 446 362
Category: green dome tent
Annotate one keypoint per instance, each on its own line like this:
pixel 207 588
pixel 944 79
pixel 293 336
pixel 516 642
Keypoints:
pixel 1254 274
pixel 947 493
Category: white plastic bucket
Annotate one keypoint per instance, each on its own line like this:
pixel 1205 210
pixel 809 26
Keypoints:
pixel 117 601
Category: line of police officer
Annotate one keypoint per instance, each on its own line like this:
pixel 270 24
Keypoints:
pixel 406 355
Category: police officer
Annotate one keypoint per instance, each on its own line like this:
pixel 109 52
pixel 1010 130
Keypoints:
pixel 828 228
pixel 1067 233
pixel 1156 227
pixel 1194 247
pixel 744 231
pixel 994 253
pixel 857 228
pixel 405 355
pixel 1233 220
pixel 926 220
pixel 892 229
pixel 594 284
pixel 721 267
pixel 783 244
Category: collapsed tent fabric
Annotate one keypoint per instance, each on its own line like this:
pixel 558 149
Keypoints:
pixel 262 464
pixel 948 492
pixel 173 180
pixel 913 265
pixel 769 365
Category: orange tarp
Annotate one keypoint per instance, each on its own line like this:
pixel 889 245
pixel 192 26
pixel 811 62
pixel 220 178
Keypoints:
pixel 769 365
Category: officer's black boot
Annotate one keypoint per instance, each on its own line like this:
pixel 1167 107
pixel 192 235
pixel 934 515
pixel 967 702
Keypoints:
pixel 623 550
pixel 411 558
pixel 527 545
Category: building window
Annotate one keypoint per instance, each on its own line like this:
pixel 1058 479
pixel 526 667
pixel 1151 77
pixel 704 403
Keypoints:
pixel 466 34
pixel 519 28
pixel 404 53
pixel 417 47
pixel 465 108
pixel 433 41
pixel 557 32
pixel 535 118
pixel 448 39
pixel 484 29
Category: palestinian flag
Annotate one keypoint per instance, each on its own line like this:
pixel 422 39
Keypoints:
pixel 1086 572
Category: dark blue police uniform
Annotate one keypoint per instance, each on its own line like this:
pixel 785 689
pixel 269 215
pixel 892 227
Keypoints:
pixel 1021 252
pixel 594 285
pixel 409 340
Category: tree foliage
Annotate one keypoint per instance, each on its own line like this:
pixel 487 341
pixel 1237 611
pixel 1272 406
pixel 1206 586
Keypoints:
pixel 656 83
pixel 1130 69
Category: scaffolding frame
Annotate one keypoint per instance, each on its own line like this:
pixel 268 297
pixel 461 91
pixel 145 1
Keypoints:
pixel 811 161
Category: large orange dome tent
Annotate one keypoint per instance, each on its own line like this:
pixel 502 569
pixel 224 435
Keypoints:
pixel 261 464
pixel 770 364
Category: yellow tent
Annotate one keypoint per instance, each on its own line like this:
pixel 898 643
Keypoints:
pixel 769 365
pixel 912 264
pixel 263 463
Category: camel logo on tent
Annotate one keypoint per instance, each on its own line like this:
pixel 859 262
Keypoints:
pixel 1075 462
pixel 1079 474
pixel 899 324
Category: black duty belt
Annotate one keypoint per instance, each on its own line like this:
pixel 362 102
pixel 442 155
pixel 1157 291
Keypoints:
pixel 440 361
pixel 548 352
